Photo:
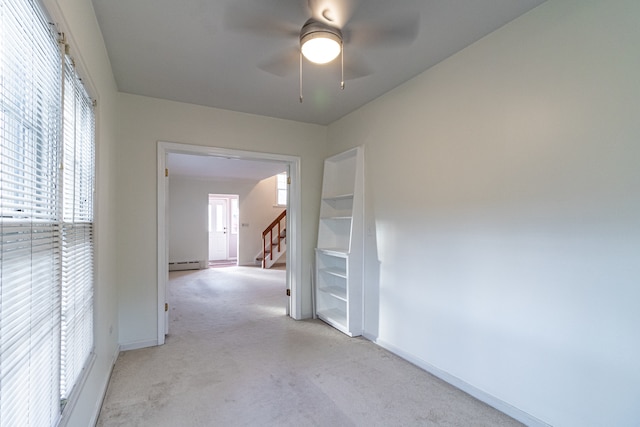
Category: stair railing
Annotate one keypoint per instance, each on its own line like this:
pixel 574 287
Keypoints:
pixel 269 232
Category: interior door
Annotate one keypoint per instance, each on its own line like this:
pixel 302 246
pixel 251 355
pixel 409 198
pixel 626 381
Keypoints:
pixel 218 230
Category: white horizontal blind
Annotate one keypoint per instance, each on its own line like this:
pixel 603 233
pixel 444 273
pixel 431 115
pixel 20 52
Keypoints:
pixel 30 242
pixel 77 230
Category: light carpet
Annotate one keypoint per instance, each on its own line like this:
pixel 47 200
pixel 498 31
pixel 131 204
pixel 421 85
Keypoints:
pixel 232 358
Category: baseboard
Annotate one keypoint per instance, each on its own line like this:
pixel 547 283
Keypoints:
pixel 77 390
pixel 105 387
pixel 481 395
pixel 374 340
pixel 138 345
pixel 73 399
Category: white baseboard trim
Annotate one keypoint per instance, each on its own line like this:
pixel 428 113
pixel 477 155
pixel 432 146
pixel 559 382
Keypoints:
pixel 138 344
pixel 374 340
pixel 481 395
pixel 73 399
pixel 76 391
pixel 105 387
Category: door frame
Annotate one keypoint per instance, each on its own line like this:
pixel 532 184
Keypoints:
pixel 294 221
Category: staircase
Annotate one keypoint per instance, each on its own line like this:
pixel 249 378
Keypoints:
pixel 274 241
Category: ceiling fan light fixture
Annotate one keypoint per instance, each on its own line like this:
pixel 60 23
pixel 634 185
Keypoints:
pixel 320 44
pixel 320 48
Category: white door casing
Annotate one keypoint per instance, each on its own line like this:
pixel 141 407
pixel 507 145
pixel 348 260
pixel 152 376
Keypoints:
pixel 294 222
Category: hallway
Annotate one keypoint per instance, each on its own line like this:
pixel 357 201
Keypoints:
pixel 233 358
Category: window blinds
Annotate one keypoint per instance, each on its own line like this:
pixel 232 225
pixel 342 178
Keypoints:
pixel 29 208
pixel 77 230
pixel 46 220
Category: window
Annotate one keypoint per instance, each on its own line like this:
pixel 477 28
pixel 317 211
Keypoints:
pixel 281 189
pixel 46 220
pixel 77 230
pixel 220 219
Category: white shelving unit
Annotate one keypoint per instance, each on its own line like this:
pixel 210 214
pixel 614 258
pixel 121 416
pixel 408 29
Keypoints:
pixel 339 255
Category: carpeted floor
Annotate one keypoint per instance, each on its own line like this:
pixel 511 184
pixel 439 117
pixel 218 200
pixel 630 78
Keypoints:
pixel 222 263
pixel 232 358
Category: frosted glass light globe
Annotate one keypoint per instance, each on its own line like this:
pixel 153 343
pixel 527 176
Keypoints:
pixel 320 47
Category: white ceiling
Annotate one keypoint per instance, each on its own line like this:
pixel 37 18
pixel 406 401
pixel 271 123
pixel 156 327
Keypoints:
pixel 213 52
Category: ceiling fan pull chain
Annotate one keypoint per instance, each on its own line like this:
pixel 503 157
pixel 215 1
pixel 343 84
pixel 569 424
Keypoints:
pixel 342 65
pixel 301 77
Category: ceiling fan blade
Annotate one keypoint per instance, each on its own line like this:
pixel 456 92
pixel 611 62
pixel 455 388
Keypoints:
pixel 355 66
pixel 393 31
pixel 333 12
pixel 282 64
pixel 243 19
pixel 288 62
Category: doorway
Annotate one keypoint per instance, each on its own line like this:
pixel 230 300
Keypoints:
pixel 294 240
pixel 223 215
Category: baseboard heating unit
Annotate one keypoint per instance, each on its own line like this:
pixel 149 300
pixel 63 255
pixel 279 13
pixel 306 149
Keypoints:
pixel 185 265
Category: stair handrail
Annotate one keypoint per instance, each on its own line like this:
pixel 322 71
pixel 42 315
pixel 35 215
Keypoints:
pixel 269 230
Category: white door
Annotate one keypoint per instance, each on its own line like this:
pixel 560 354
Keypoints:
pixel 218 229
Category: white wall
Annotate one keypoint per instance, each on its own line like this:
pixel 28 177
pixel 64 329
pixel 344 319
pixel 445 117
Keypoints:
pixel 77 19
pixel 260 210
pixel 145 121
pixel 505 184
pixel 188 200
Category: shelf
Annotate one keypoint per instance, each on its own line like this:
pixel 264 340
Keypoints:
pixel 335 272
pixel 339 252
pixel 338 197
pixel 336 292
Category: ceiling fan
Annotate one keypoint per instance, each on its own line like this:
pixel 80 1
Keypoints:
pixel 327 26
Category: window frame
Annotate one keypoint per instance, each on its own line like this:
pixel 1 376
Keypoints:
pixel 281 183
